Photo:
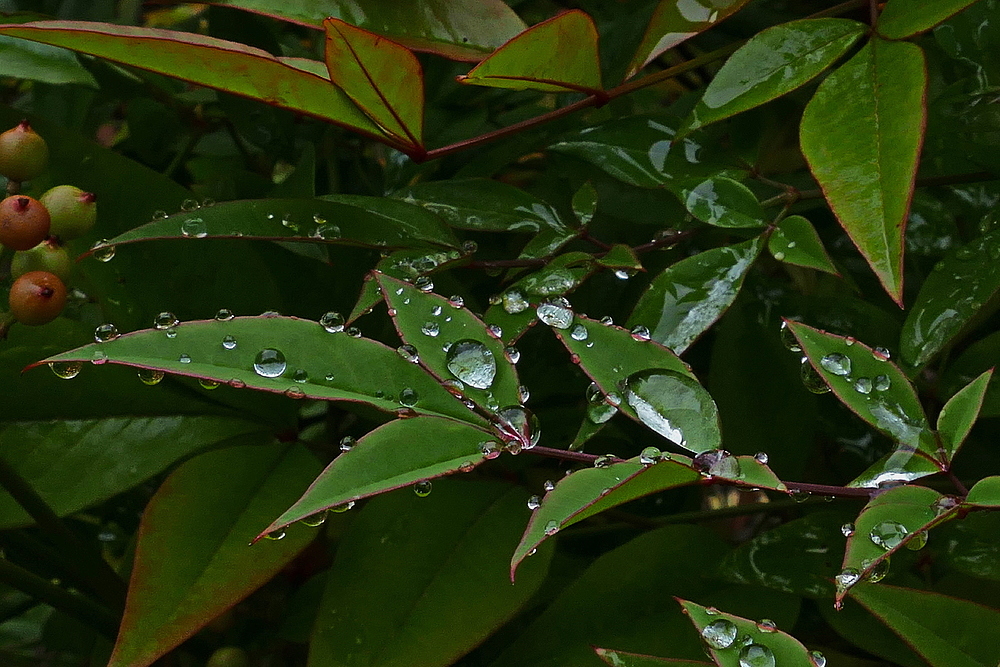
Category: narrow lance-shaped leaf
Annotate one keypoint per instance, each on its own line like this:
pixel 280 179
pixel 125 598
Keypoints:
pixel 795 241
pixel 687 298
pixel 299 358
pixel 904 18
pixel 383 78
pixel 774 62
pixel 210 515
pixel 960 413
pixel 861 134
pixel 397 454
pixel 558 55
pixel 290 83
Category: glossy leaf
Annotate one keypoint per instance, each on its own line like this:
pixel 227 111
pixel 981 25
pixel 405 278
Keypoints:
pixel 373 222
pixel 784 649
pixel 383 78
pixel 985 493
pixel 772 63
pixel 422 581
pixel 795 241
pixel 359 369
pixel 687 298
pixel 944 631
pixel 623 659
pixel 904 18
pixel 289 83
pixel 951 298
pixel 861 134
pixel 108 456
pixel 960 413
pixel 720 201
pixel 452 344
pixel 673 23
pixel 210 515
pixel 585 203
pixel 457 29
pixel 558 55
pixel 394 455
pixel 22 59
pixel 370 296
pixel 891 520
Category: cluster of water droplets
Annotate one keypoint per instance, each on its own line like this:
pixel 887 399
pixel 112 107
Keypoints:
pixel 724 635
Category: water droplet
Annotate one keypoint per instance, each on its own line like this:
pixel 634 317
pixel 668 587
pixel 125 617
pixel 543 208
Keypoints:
pixel 811 379
pixel 165 320
pixel 940 506
pixel 436 311
pixel 269 363
pixel 454 386
pixel 918 541
pixel 836 363
pixel 329 377
pixel 761 457
pixel 270 314
pixel 649 456
pixel 523 394
pixel 788 338
pixel 756 655
pixel 319 219
pixel 224 315
pixel 333 322
pixel 347 443
pixel 424 284
pixel 171 332
pixel 850 340
pixel 817 659
pixel 863 385
pixel 456 301
pixel 471 362
pixel 229 343
pixel 604 460
pixel 150 376
pixel 490 449
pixel 67 370
pixel 881 354
pixel 512 353
pixel 189 205
pixel 514 302
pixel 877 573
pixel 718 463
pixel 551 528
pixel 534 502
pixel 469 247
pixel 184 359
pixel 548 485
pixel 208 384
pixel 495 331
pixel 287 221
pixel 237 383
pixel 711 611
pixel 314 520
pixel 408 397
pixel 667 402
pixel 882 383
pixel 847 529
pixel 431 329
pixel 409 353
pixel 327 232
pixel 159 215
pixel 767 626
pixel 423 488
pixel 340 509
pixel 640 333
pixel 194 228
pixel 275 535
pixel 720 634
pixel 555 314
pixel 780 256
pixel 105 333
pixel 607 320
pixel 888 534
pixel 353 332
pixel 579 332
pixel 520 424
pixel 103 251
pixel 295 393
pixel 300 376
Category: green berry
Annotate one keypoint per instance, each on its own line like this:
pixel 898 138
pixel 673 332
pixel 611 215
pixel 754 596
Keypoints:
pixel 46 256
pixel 37 298
pixel 24 222
pixel 23 153
pixel 72 210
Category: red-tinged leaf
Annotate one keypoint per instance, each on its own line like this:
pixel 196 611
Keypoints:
pixel 558 55
pixel 985 493
pixel 904 18
pixel 457 29
pixel 394 455
pixel 960 413
pixel 289 83
pixel 674 22
pixel 861 134
pixel 945 631
pixel 209 514
pixel 382 77
pixel 625 659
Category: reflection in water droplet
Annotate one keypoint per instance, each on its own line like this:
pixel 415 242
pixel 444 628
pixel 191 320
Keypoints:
pixel 229 343
pixel 756 655
pixel 551 528
pixel 523 394
pixel 877 573
pixel 847 578
pixel 863 385
pixel 490 449
pixel 767 626
pixel 788 338
pixel 555 313
pixel 409 353
pixel 423 488
pixel 520 425
pixel 836 363
pixel 408 397
pixel 159 215
pixel 105 333
pixel 918 541
pixel 300 376
pixel 456 301
pixel 150 376
pixel 424 284
pixel 534 502
pixel 495 331
pixel 333 322
pixel 817 659
pixel 224 315
pixel 512 353
pixel 640 333
pixel 194 228
pixel 649 456
pixel 882 383
pixel 236 383
pixel 184 359
pixel 275 535
pixel 165 320
pixel 314 520
pixel 353 332
pixel 761 457
pixel 888 534
pixel 811 379
pixel 847 529
pixel 579 332
pixel 269 363
pixel 431 329
pixel 208 384
pixel 720 634
pixel 67 370
pixel 295 392
pixel 881 354
pixel 718 463
pixel 472 362
pixel 347 443
pixel 102 251
pixel 340 509
pixel 189 205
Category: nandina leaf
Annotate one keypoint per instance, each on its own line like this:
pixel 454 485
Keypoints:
pixel 904 18
pixel 558 55
pixel 861 134
pixel 382 77
pixel 960 413
pixel 290 83
pixel 795 241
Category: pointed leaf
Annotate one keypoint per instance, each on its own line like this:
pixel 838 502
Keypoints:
pixel 673 23
pixel 394 455
pixel 985 493
pixel 209 514
pixel 22 59
pixel 452 344
pixel 944 631
pixel 558 55
pixel 585 203
pixel 960 413
pixel 785 650
pixel 952 297
pixel 795 241
pixel 457 29
pixel 621 257
pixel 861 134
pixel 720 201
pixel 904 18
pixel 623 659
pixel 685 300
pixel 900 465
pixel 358 369
pixel 289 83
pixel 383 78
pixel 774 62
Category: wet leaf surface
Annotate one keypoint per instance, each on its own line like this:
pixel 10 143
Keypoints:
pixel 795 241
pixel 960 413
pixel 898 19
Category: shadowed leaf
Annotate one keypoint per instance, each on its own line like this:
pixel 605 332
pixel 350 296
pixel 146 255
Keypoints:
pixel 904 18
pixel 960 413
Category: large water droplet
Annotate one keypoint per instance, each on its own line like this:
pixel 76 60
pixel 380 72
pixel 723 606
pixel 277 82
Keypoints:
pixel 67 370
pixel 788 338
pixel 269 363
pixel 836 363
pixel 472 362
pixel 194 228
pixel 720 634
pixel 817 659
pixel 882 383
pixel 579 332
pixel 863 385
pixel 103 251
pixel 150 376
pixel 519 424
pixel 105 333
pixel 888 534
pixel 408 397
pixel 649 456
pixel 409 353
pixel 756 655
pixel 811 379
pixel 555 314
pixel 165 320
pixel 669 403
pixel 718 463
pixel 333 322
pixel 431 329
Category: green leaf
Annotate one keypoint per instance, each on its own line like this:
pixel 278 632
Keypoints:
pixel 457 29
pixel 900 465
pixel 891 520
pixel 107 456
pixel 382 77
pixel 452 344
pixel 394 455
pixel 861 134
pixel 720 201
pixel 985 493
pixel 772 63
pixel 22 59
pixel 295 357
pixel 904 18
pixel 622 257
pixel 209 514
pixel 558 55
pixel 373 222
pixel 951 298
pixel 289 83
pixel 673 23
pixel 585 203
pixel 945 631
pixel 623 659
pixel 422 581
pixel 685 300
pixel 960 413
pixel 795 241
pixel 784 649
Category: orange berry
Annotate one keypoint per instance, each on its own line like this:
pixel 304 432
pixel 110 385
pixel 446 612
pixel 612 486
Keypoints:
pixel 24 222
pixel 37 297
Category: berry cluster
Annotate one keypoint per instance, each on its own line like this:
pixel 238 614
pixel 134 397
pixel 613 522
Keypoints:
pixel 37 229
